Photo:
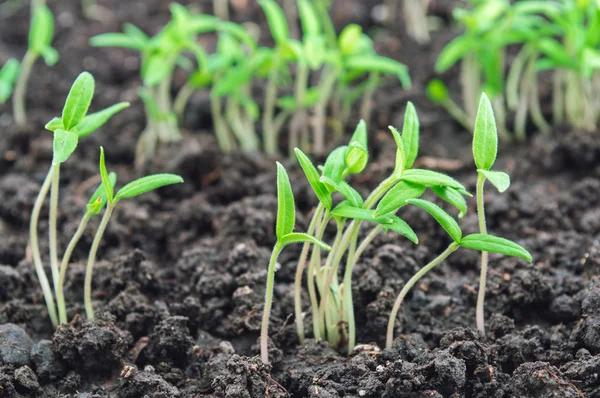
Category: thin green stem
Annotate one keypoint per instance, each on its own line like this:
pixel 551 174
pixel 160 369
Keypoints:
pixel 181 100
pixel 300 271
pixel 392 320
pixel 264 329
pixel 458 114
pixel 270 138
pixel 224 138
pixel 327 84
pixel 35 248
pixel 52 228
pixel 21 88
pixel 315 262
pixel 87 288
pixel 367 101
pixel 514 76
pixel 558 97
pixel 248 142
pixel 60 297
pixel 484 255
pixel 299 117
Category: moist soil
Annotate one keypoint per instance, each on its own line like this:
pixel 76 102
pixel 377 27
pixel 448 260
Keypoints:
pixel 179 285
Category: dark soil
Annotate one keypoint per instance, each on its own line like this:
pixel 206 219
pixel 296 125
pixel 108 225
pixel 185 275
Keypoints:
pixel 179 284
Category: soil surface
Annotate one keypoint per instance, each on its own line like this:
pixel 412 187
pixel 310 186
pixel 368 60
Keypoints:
pixel 179 285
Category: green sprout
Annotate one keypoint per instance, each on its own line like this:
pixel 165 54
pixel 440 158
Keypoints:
pixel 73 124
pixel 286 219
pixel 8 76
pixel 130 190
pixel 40 39
pixel 485 148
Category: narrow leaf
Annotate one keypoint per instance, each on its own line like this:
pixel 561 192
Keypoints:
pixel 147 184
pixel 452 196
pixel 453 52
pixel 349 193
pixel 431 179
pixel 397 197
pixel 119 40
pixel 8 77
pixel 335 165
pixel 313 177
pixel 99 198
pixel 64 144
pixel 443 218
pixel 54 124
pixel 400 226
pixel 499 179
pixel 78 101
pixel 410 135
pixel 376 63
pixel 308 18
pixel 400 155
pixel 108 187
pixel 276 20
pixel 346 210
pixel 94 121
pixel 296 237
pixel 286 212
pixel 494 244
pixel 485 136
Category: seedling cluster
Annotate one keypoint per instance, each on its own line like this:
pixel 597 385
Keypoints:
pixel 331 299
pixel 75 123
pixel 561 38
pixel 348 65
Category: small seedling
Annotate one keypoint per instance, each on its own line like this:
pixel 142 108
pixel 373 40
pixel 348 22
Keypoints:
pixel 40 39
pixel 73 124
pixel 8 76
pixel 286 219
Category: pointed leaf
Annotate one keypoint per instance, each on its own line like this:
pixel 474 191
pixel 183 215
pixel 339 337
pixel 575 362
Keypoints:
pixel 64 144
pixel 54 124
pixel 346 210
pixel 494 244
pixel 99 198
pixel 453 52
pixel 335 165
pixel 108 187
pixel 313 177
pixel 349 193
pixel 499 179
pixel 119 40
pixel 397 197
pixel 147 184
pixel 276 20
pixel 94 121
pixel 400 155
pixel 443 218
pixel 286 211
pixel 78 101
pixel 400 226
pixel 357 155
pixel 485 136
pixel 453 197
pixel 431 179
pixel 50 55
pixel 410 135
pixel 296 237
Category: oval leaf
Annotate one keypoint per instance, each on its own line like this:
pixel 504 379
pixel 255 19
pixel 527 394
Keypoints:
pixel 443 218
pixel 286 212
pixel 431 179
pixel 63 146
pixel 357 155
pixel 147 184
pixel 410 135
pixel 94 121
pixel 485 136
pixel 397 197
pixel 313 177
pixel 437 91
pixel 499 179
pixel 108 187
pixel 453 197
pixel 54 124
pixel 296 237
pixel 78 101
pixel 494 244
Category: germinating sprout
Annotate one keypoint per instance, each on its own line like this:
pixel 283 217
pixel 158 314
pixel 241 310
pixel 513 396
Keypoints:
pixel 73 124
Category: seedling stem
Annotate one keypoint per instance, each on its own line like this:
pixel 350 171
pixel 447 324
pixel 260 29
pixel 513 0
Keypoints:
pixel 21 88
pixel 484 255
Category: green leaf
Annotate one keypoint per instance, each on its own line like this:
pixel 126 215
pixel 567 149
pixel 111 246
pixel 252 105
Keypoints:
pixel 296 237
pixel 335 164
pixel 437 91
pixel 42 29
pixel 99 198
pixel 239 32
pixel 108 188
pixel 499 179
pixel 315 49
pixel 8 77
pixel 50 55
pixel 400 226
pixel 313 177
pixel 357 154
pixel 443 218
pixel 348 39
pixel 453 197
pixel 119 40
pixel 453 52
pixel 376 63
pixel 431 178
pixel 276 20
pixel 397 197
pixel 63 146
pixel 346 210
pixel 400 155
pixel 147 184
pixel 94 121
pixel 54 124
pixel 410 135
pixel 485 136
pixel 349 193
pixel 78 101
pixel 494 244
pixel 286 212
pixel 308 18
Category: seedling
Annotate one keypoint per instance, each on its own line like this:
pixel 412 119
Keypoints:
pixel 286 219
pixel 8 76
pixel 40 39
pixel 130 190
pixel 74 124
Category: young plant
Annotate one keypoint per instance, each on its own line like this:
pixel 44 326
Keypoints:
pixel 8 76
pixel 286 219
pixel 74 124
pixel 40 39
pixel 130 190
